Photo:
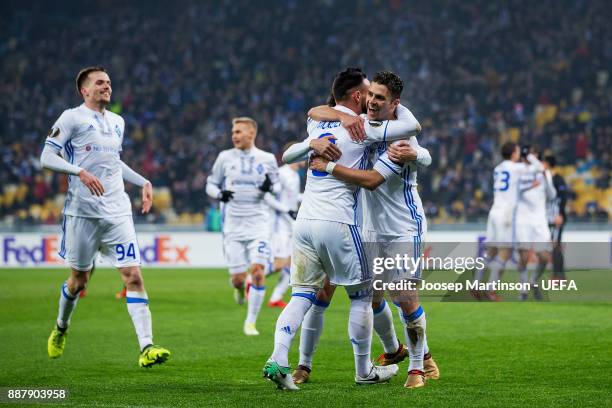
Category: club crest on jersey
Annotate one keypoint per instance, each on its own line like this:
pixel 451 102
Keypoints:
pixel 375 123
pixel 260 169
pixel 54 132
pixel 118 130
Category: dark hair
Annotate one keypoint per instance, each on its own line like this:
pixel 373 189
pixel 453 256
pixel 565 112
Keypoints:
pixel 346 81
pixel 507 149
pixel 331 101
pixel 82 76
pixel 391 80
pixel 551 160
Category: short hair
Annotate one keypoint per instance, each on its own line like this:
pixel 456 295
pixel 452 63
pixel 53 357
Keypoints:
pixel 345 81
pixel 392 81
pixel 83 74
pixel 507 149
pixel 247 120
pixel 331 101
pixel 551 160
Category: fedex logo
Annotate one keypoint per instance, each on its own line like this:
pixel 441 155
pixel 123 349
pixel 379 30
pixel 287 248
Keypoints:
pixel 46 251
pixel 164 251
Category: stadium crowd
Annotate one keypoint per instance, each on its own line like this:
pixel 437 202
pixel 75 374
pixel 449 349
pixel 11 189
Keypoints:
pixel 477 74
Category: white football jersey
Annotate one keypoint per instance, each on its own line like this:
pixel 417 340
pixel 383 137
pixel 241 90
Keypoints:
pixel 289 197
pixel 394 209
pixel 92 141
pixel 532 200
pixel 330 199
pixel 243 172
pixel 506 179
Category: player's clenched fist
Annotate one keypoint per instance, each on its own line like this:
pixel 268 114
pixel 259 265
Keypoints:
pixel 326 147
pixel 147 197
pixel 91 182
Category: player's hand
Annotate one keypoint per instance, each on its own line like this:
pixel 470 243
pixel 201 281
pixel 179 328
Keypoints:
pixel 318 163
pixel 355 126
pixel 92 183
pixel 292 214
pixel 266 186
pixel 147 197
pixel 324 147
pixel 226 195
pixel 402 152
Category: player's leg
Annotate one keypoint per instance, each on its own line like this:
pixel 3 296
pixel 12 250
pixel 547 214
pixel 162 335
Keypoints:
pixel 415 324
pixel 120 248
pixel 236 258
pixel 522 270
pixel 557 254
pixel 79 245
pixel 307 276
pixel 394 351
pixel 281 265
pixel 312 328
pixel 259 253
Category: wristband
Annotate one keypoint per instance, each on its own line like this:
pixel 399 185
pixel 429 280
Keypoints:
pixel 330 167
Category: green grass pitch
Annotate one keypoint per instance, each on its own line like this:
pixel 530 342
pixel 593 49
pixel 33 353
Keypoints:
pixel 506 354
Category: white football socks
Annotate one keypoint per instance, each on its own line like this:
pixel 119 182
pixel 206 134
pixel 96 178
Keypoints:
pixel 360 333
pixel 312 328
pixel 414 329
pixel 67 303
pixel 138 308
pixel 287 324
pixel 256 298
pixel 281 286
pixel 383 326
pixel 495 267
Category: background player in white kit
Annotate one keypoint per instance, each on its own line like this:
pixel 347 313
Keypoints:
pixel 532 233
pixel 240 177
pixel 327 242
pixel 394 221
pixel 500 224
pixel 284 213
pixel 97 212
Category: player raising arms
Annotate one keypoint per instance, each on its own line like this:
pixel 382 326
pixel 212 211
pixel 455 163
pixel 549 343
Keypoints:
pixel 394 220
pixel 97 212
pixel 326 240
pixel 239 179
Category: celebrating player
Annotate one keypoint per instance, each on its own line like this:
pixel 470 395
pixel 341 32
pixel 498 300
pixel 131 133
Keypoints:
pixel 532 233
pixel 394 220
pixel 326 241
pixel 239 179
pixel 501 221
pixel 97 212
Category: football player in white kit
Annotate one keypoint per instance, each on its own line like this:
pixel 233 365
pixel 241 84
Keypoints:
pixel 97 213
pixel 240 178
pixel 500 224
pixel 282 227
pixel 394 221
pixel 535 190
pixel 327 242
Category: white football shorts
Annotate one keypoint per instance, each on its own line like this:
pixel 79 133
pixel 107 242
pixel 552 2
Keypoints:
pixel 533 234
pixel 115 238
pixel 241 254
pixel 500 231
pixel 327 248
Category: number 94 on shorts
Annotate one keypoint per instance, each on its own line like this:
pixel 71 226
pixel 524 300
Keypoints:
pixel 114 238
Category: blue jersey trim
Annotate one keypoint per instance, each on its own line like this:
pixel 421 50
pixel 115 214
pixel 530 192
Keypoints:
pixel 389 166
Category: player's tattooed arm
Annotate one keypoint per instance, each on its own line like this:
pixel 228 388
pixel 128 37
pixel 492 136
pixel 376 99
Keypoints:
pixel 369 179
pixel 352 123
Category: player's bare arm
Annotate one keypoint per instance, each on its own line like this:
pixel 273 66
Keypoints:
pixel 369 179
pixel 352 123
